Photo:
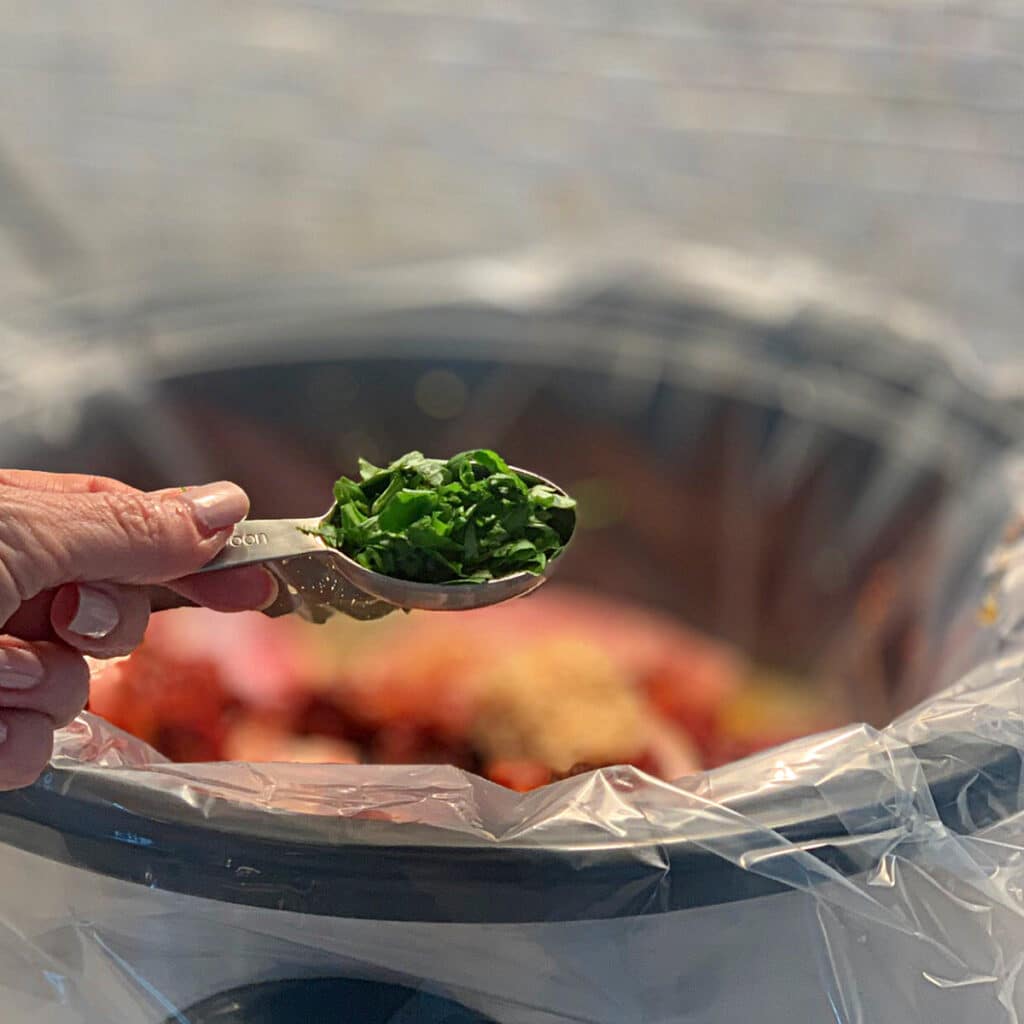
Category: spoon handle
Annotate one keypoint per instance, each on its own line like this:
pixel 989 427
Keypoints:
pixel 254 541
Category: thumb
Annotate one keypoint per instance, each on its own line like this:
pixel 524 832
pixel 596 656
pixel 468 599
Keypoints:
pixel 47 539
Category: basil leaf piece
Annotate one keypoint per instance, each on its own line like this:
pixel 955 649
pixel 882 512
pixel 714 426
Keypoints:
pixel 404 508
pixel 467 519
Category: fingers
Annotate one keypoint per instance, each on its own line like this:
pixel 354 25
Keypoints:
pixel 251 588
pixel 47 538
pixel 60 527
pixel 44 677
pixel 43 686
pixel 100 619
pixel 32 619
pixel 106 620
pixel 26 747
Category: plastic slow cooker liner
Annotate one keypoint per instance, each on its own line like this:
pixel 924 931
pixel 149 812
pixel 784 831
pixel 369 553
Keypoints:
pixel 861 875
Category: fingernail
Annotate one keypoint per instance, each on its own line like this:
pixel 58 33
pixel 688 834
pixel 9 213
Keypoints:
pixel 19 669
pixel 96 615
pixel 272 591
pixel 217 506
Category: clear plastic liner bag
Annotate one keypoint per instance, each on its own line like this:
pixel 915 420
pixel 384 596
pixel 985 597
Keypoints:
pixel 851 507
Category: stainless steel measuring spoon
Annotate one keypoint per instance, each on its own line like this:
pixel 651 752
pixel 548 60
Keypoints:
pixel 317 580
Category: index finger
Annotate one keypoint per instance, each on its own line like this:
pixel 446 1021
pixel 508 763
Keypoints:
pixel 62 483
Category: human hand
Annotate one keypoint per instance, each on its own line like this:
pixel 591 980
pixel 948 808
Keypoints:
pixel 77 556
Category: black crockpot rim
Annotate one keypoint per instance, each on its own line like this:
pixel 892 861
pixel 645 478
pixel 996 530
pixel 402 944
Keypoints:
pixel 244 856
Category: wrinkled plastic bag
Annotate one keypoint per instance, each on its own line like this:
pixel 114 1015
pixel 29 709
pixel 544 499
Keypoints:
pixel 929 931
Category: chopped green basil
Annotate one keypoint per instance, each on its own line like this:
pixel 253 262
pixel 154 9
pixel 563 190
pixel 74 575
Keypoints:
pixel 465 520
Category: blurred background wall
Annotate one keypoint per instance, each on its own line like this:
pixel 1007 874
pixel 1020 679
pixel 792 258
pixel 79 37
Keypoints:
pixel 142 141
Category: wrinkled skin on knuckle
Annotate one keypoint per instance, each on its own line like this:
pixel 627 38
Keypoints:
pixel 161 526
pixel 29 553
pixel 138 516
pixel 10 594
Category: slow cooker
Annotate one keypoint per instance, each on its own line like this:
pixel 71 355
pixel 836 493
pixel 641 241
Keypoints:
pixel 816 482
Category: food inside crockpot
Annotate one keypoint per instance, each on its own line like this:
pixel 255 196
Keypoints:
pixel 523 693
pixel 467 519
